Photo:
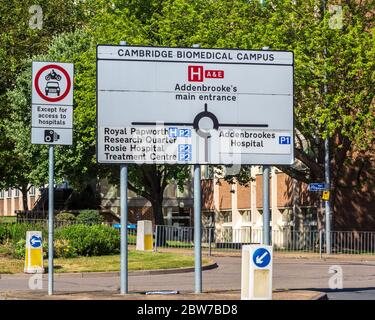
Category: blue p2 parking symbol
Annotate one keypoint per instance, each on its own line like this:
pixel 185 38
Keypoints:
pixel 179 133
pixel 184 152
pixel 284 140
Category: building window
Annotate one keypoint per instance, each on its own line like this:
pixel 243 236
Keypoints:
pixel 227 234
pixel 261 213
pixel 208 172
pixel 16 193
pixel 1 194
pixel 9 193
pixel 227 216
pixel 208 219
pixel 245 235
pixel 310 218
pixel 170 191
pixel 32 191
pixel 178 216
pixel 246 215
pixel 287 215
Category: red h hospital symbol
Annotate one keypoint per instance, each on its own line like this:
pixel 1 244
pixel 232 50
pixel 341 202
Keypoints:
pixel 195 73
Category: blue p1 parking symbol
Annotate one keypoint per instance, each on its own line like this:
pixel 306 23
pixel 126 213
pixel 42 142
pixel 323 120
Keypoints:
pixel 284 140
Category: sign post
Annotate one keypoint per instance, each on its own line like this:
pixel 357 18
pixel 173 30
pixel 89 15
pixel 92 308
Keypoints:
pixel 256 275
pixel 34 252
pixel 144 235
pixel 317 186
pixel 52 124
pixel 124 228
pixel 197 229
pixel 51 217
pixel 266 205
pixel 194 106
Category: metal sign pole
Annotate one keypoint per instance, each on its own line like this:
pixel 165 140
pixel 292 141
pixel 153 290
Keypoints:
pixel 197 229
pixel 327 202
pixel 266 205
pixel 124 227
pixel 50 220
pixel 124 274
pixel 266 199
pixel 327 167
pixel 197 223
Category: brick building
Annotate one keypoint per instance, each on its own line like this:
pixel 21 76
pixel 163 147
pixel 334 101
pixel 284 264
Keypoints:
pixel 11 200
pixel 232 207
pixel 228 206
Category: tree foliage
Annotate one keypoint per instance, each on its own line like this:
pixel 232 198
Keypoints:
pixel 343 60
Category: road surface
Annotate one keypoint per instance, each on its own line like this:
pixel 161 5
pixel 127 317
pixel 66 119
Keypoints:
pixel 289 273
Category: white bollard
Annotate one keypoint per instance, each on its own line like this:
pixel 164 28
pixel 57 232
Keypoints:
pixel 256 274
pixel 34 252
pixel 144 235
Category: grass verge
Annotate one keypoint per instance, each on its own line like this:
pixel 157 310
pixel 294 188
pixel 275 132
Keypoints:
pixel 137 261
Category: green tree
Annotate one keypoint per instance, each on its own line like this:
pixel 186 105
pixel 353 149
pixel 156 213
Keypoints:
pixel 345 115
pixel 344 61
pixel 29 163
pixel 20 39
pixel 113 24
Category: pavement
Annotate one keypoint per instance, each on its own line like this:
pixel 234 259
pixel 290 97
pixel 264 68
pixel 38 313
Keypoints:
pixel 108 295
pixel 302 276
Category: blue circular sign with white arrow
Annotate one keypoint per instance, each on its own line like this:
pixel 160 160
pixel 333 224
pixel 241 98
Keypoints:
pixel 36 241
pixel 261 257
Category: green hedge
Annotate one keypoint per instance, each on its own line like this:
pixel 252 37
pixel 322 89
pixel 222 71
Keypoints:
pixel 4 233
pixel 14 232
pixel 89 217
pixel 91 240
pixel 65 217
pixel 70 241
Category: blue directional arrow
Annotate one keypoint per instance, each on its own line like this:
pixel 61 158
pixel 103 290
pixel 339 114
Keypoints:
pixel 261 257
pixel 36 241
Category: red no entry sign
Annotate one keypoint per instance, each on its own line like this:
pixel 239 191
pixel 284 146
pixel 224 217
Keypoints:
pixel 52 103
pixel 52 83
pixel 53 78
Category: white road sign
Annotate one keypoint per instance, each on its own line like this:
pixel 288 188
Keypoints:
pixel 52 103
pixel 51 136
pixel 194 105
pixel 54 116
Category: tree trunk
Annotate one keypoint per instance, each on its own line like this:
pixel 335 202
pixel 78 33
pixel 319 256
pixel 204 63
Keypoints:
pixel 24 190
pixel 157 207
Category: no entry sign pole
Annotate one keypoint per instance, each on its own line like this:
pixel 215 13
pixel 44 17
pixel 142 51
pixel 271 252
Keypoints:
pixel 51 124
pixel 50 218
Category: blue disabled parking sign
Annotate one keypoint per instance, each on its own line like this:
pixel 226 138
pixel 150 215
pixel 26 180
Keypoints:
pixel 261 257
